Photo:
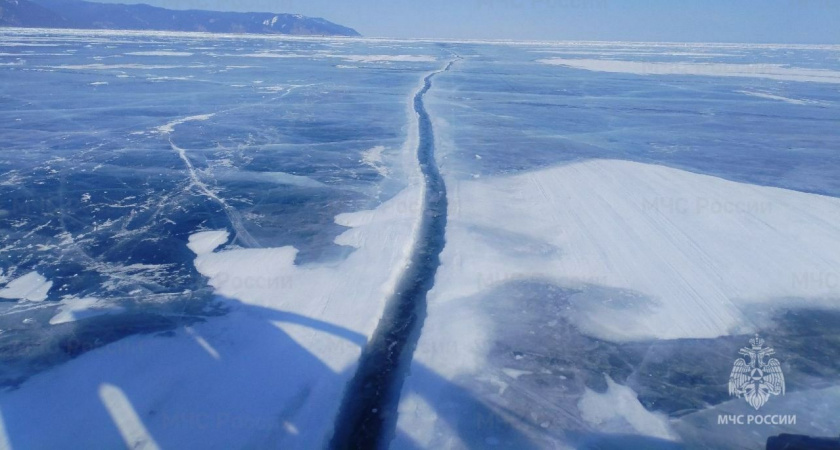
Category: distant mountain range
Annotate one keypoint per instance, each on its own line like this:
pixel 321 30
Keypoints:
pixel 89 15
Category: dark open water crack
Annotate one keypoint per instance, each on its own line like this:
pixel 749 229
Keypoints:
pixel 368 415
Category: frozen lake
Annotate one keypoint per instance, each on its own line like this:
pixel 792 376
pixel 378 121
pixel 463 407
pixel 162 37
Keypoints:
pixel 201 233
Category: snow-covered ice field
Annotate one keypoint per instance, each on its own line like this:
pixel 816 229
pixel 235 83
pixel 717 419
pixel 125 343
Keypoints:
pixel 200 235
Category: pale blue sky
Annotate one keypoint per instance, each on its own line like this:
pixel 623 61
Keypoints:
pixel 784 21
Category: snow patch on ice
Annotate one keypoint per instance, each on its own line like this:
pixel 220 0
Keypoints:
pixel 160 79
pixel 425 424
pixel 769 71
pixel 159 53
pixel 656 252
pixel 267 54
pixel 618 408
pixel 514 373
pixel 387 58
pixel 99 66
pixel 170 127
pixel 206 241
pixel 769 96
pixel 373 157
pixel 32 287
pixel 73 309
pixel 282 178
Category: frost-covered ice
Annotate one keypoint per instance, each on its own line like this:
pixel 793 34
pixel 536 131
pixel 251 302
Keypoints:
pixel 769 71
pixel 32 287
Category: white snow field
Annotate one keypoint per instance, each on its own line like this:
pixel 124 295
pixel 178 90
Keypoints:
pixel 655 252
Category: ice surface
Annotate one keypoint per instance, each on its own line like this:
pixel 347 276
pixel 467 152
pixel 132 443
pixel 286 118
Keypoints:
pixel 160 53
pixel 769 71
pixel 272 371
pixel 388 58
pixel 645 252
pixel 99 66
pixel 607 236
pixel 32 287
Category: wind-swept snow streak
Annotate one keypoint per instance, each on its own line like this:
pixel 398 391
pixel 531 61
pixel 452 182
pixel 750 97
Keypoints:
pixel 368 414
